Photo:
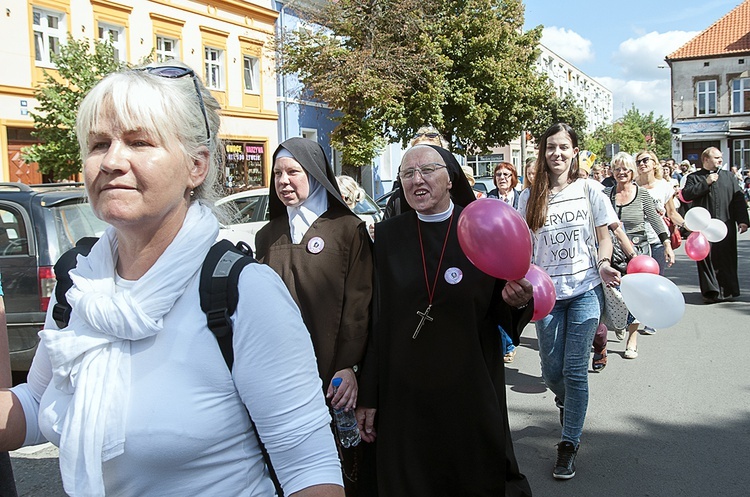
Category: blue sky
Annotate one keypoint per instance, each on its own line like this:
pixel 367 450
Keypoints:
pixel 622 44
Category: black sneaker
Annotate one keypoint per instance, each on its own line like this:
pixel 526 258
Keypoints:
pixel 565 467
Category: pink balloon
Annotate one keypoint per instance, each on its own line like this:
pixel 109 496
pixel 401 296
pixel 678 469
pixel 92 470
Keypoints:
pixel 495 238
pixel 697 246
pixel 682 199
pixel 544 292
pixel 643 264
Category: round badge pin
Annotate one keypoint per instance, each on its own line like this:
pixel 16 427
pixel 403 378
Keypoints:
pixel 315 245
pixel 453 275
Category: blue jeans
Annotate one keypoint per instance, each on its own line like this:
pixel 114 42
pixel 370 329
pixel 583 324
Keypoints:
pixel 507 342
pixel 565 337
pixel 658 253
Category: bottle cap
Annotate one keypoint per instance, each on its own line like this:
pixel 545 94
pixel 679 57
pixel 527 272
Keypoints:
pixel 336 382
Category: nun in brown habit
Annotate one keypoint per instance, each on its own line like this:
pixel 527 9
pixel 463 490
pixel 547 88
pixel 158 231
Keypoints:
pixel 323 253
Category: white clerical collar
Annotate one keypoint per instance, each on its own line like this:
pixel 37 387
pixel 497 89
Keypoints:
pixel 436 218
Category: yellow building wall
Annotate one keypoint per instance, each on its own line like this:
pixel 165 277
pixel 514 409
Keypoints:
pixel 241 27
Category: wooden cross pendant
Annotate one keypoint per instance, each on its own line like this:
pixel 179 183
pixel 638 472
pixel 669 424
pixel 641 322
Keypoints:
pixel 425 316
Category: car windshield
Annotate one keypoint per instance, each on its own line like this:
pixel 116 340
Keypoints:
pixel 73 221
pixel 366 206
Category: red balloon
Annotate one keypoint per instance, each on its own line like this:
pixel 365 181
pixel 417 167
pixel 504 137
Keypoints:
pixel 697 246
pixel 643 264
pixel 544 292
pixel 495 238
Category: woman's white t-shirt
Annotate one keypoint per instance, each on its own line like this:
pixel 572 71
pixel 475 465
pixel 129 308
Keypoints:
pixel 662 192
pixel 563 246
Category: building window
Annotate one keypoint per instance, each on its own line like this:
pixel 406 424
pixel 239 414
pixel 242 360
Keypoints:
pixel 244 165
pixel 213 63
pixel 706 92
pixel 309 134
pixel 741 95
pixel 250 67
pixel 49 31
pixel 116 36
pixel 166 49
pixel 741 153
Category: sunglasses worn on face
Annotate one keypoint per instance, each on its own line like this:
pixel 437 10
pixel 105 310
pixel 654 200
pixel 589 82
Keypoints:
pixel 644 160
pixel 428 135
pixel 504 175
pixel 175 72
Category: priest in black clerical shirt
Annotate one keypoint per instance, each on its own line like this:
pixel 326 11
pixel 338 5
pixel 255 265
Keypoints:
pixel 718 191
pixel 432 386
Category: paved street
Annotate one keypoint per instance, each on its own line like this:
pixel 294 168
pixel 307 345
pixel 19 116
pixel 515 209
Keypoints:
pixel 673 422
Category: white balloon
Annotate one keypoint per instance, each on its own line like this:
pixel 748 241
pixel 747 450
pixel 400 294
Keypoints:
pixel 715 231
pixel 697 219
pixel 652 299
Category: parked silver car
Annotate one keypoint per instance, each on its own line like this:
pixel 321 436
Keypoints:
pixel 248 212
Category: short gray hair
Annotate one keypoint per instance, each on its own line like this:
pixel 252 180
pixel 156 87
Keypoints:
pixel 162 107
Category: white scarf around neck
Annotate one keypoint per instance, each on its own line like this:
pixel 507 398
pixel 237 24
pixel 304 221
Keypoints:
pixel 303 215
pixel 91 357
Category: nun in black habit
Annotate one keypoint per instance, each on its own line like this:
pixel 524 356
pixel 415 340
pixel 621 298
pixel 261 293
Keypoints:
pixel 433 376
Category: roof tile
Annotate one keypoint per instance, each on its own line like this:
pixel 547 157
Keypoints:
pixel 728 35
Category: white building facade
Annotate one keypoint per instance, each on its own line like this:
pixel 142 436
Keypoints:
pixel 595 99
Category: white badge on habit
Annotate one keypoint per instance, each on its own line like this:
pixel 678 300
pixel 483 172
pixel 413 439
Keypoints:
pixel 315 245
pixel 453 275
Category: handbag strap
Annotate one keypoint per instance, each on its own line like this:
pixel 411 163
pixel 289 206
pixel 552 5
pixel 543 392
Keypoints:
pixel 593 244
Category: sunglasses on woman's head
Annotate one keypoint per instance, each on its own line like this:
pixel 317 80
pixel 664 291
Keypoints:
pixel 428 135
pixel 175 72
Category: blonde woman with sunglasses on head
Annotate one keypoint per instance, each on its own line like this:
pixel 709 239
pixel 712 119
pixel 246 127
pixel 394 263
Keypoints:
pixel 651 178
pixel 135 390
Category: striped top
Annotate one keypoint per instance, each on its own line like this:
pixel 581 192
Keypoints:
pixel 637 212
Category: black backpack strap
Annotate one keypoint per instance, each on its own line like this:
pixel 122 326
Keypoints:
pixel 219 292
pixel 219 296
pixel 66 262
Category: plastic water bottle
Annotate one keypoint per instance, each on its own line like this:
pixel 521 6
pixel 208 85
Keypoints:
pixel 346 423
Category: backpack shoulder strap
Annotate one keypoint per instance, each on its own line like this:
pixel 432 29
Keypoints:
pixel 66 262
pixel 218 290
pixel 219 296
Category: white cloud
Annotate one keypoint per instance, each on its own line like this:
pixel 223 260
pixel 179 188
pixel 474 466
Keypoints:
pixel 641 57
pixel 567 44
pixel 645 95
pixel 645 80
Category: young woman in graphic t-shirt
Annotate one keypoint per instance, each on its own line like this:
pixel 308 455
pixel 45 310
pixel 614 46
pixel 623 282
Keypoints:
pixel 568 219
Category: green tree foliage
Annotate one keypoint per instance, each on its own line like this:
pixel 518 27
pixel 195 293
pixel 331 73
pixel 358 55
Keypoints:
pixel 390 67
pixel 558 110
pixel 80 65
pixel 633 132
